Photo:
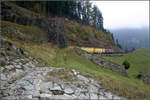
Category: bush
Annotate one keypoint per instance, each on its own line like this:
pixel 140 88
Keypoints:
pixel 76 27
pixel 2 63
pixel 126 64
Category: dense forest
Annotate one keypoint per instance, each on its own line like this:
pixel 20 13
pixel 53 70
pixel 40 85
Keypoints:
pixel 80 10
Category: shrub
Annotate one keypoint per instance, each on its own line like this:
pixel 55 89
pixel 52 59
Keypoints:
pixel 72 38
pixel 37 7
pixel 126 64
pixel 2 63
pixel 76 27
pixel 83 34
pixel 8 49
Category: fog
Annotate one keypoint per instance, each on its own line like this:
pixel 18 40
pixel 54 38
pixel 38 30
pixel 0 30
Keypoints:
pixel 124 14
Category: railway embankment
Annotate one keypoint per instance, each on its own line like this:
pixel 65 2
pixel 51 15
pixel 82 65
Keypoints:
pixel 102 62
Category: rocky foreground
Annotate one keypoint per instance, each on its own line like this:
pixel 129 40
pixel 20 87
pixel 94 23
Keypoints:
pixel 26 81
pixel 21 79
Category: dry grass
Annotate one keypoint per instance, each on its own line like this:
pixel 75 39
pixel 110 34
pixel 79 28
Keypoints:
pixel 82 34
pixel 28 33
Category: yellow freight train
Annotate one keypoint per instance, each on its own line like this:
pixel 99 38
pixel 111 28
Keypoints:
pixel 91 50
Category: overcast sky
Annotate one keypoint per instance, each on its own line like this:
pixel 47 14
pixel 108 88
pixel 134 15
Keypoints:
pixel 124 14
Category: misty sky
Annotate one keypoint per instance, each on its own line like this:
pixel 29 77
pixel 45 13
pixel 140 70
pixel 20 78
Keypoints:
pixel 124 14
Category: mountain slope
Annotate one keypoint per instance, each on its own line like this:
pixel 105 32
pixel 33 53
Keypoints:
pixel 138 59
pixel 50 55
pixel 57 30
pixel 84 35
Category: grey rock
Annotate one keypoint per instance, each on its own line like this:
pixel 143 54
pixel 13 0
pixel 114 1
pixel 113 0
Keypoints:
pixel 80 77
pixel 109 95
pixel 29 96
pixel 77 92
pixel 18 66
pixel 9 67
pixel 3 77
pixel 30 64
pixel 18 71
pixel 48 85
pixel 14 63
pixel 36 94
pixel 10 98
pixel 84 96
pixel 17 60
pixel 68 90
pixel 56 87
pixel 93 96
pixel 1 69
pixel 75 72
pixel 25 67
pixel 65 97
pixel 101 97
pixel 92 89
pixel 29 87
pixel 45 96
pixel 20 63
pixel 34 99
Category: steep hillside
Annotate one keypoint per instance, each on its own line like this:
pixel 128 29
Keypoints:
pixel 58 30
pixel 22 32
pixel 82 35
pixel 22 16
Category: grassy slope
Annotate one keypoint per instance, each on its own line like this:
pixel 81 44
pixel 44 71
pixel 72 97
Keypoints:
pixel 138 59
pixel 30 33
pixel 49 55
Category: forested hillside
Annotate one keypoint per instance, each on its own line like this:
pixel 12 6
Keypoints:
pixel 80 10
pixel 65 22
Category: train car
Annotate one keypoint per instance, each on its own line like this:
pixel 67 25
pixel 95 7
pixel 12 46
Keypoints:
pixel 109 51
pixel 96 50
pixel 99 50
pixel 87 49
pixel 71 47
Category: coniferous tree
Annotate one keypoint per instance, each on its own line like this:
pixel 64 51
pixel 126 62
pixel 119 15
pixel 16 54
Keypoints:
pixel 80 10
